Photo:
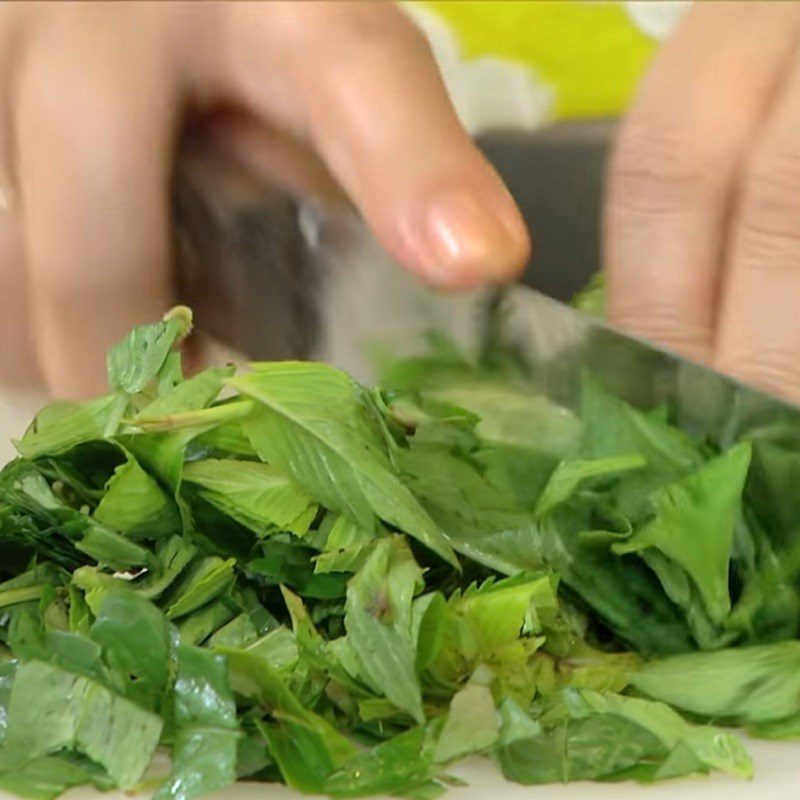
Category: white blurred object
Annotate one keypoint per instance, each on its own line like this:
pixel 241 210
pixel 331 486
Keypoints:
pixel 486 92
pixel 17 409
pixel 657 18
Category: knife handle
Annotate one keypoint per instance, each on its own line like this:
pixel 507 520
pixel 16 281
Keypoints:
pixel 240 258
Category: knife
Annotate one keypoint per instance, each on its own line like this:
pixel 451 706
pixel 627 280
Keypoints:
pixel 561 344
pixel 260 288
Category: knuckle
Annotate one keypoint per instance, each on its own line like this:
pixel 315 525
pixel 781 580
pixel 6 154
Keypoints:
pixel 769 222
pixel 378 25
pixel 665 168
pixel 349 29
pixel 664 323
pixel 773 368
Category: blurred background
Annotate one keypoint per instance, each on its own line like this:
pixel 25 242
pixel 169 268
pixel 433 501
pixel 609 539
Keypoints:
pixel 540 85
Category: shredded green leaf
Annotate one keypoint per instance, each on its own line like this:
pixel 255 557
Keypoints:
pixel 283 575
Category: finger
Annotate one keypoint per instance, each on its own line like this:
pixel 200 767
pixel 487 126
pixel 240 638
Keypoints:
pixel 18 365
pixel 93 141
pixel 676 163
pixel 362 85
pixel 17 361
pixel 759 330
pixel 274 155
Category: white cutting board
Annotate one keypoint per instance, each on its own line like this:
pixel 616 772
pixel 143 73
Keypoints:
pixel 777 764
pixel 777 778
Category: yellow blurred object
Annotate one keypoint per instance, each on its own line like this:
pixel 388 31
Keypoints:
pixel 591 54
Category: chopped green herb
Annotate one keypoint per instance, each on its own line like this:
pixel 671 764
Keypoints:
pixel 351 589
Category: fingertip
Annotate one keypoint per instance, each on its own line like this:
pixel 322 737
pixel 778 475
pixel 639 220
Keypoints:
pixel 460 237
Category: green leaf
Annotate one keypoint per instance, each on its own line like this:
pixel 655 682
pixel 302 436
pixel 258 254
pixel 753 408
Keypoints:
pixel 237 633
pixel 292 564
pixel 61 426
pixel 498 611
pixel 496 624
pixel 744 686
pixel 228 438
pixel 708 748
pixel 400 766
pixel 173 555
pixel 171 558
pixel 473 513
pixel 521 435
pixel 200 625
pixel 517 416
pixel 306 747
pixel 256 495
pixel 190 395
pixel 48 777
pixel 135 504
pixel 428 614
pixel 314 426
pixel 620 591
pixel 694 526
pixel 82 716
pixel 378 623
pixel 775 472
pixel 103 545
pixel 164 455
pixel 86 534
pixel 786 728
pixel 346 547
pixel 611 427
pixel 590 735
pixel 135 639
pixel 472 724
pixel 207 730
pixel 72 652
pixel 146 539
pixel 136 360
pixel 522 752
pixel 170 374
pixel 591 299
pixel 278 649
pixel 206 580
pixel 569 475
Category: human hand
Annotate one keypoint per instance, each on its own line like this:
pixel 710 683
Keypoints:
pixel 703 212
pixel 341 99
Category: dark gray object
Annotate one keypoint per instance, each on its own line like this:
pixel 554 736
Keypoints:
pixel 556 176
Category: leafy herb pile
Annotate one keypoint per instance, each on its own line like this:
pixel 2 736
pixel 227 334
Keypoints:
pixel 349 590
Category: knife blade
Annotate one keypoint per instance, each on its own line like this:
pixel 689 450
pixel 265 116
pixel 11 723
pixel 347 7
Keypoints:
pixel 560 344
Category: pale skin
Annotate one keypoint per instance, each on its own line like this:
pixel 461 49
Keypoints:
pixel 344 100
